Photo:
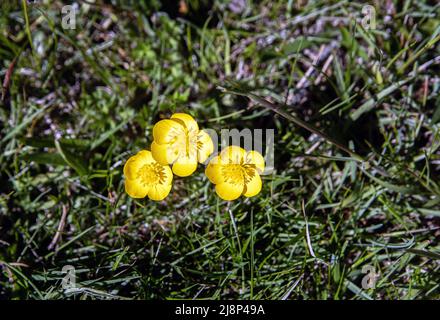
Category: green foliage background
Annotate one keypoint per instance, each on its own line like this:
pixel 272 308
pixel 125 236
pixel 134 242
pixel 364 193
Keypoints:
pixel 80 102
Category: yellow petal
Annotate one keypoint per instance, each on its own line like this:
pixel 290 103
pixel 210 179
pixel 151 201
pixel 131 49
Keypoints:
pixel 229 191
pixel 159 192
pixel 135 162
pixel 163 153
pixel 187 120
pixel 131 167
pixel 185 166
pixel 213 171
pixel 145 156
pixel 168 175
pixel 135 189
pixel 166 131
pixel 205 146
pixel 253 187
pixel 233 154
pixel 254 157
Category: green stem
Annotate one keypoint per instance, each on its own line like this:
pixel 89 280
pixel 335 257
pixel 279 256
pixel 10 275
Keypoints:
pixel 28 29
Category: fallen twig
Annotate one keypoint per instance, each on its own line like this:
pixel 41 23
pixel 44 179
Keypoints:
pixel 7 80
pixel 60 229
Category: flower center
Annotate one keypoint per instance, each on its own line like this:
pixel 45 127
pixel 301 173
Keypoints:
pixel 152 173
pixel 238 173
pixel 184 143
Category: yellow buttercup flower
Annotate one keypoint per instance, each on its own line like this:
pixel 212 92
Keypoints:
pixel 179 141
pixel 144 176
pixel 236 172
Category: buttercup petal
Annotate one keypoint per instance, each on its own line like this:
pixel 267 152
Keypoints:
pixel 187 120
pixel 166 131
pixel 168 176
pixel 185 166
pixel 145 156
pixel 159 192
pixel 134 163
pixel 154 178
pixel 229 191
pixel 253 187
pixel 163 153
pixel 135 189
pixel 131 167
pixel 205 146
pixel 254 157
pixel 232 154
pixel 213 171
